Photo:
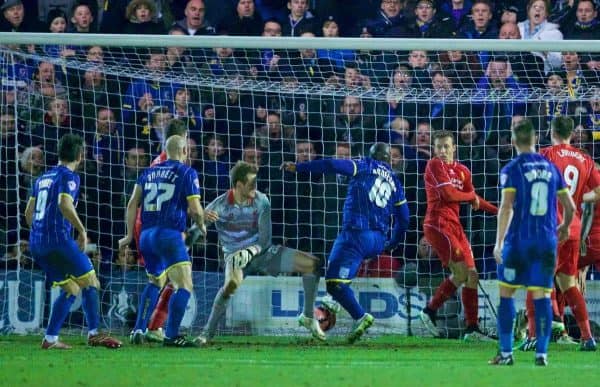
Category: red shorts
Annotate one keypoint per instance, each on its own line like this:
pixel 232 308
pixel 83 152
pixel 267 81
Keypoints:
pixel 449 242
pixel 593 250
pixel 568 256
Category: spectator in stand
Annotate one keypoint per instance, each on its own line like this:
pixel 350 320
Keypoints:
pixel 56 123
pixel 106 144
pixel 222 62
pixel 187 111
pixel 215 167
pixel 351 126
pixel 246 21
pixel 577 78
pixel 13 18
pixel 306 67
pixel 152 134
pixel 82 19
pixel 136 160
pixel 509 14
pixel 418 62
pixel 303 221
pixel 528 69
pixel 442 111
pixel 390 20
pixel 182 60
pixel 554 104
pixel 501 103
pixel 194 22
pixel 299 20
pixel 144 94
pixel 464 69
pixel 45 84
pixel 31 165
pixel 141 16
pixel 458 11
pixel 592 118
pixel 353 78
pixel 265 64
pixel 537 27
pixel 400 84
pixel 422 143
pixel 57 24
pixel 338 58
pixel 585 27
pixel 426 25
pixel 481 26
pixel 336 189
pixel 481 159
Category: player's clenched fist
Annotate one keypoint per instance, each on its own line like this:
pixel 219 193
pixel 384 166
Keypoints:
pixel 242 257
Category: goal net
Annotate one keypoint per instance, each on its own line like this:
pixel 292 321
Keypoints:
pixel 266 101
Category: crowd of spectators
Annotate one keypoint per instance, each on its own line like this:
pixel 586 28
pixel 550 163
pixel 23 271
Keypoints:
pixel 49 90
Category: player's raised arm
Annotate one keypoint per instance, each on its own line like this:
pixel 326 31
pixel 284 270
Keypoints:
pixel 568 211
pixel 132 206
pixel 323 166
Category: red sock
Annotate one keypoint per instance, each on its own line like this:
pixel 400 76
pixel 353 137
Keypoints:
pixel 470 301
pixel 530 308
pixel 443 292
pixel 159 316
pixel 556 310
pixel 577 303
pixel 560 303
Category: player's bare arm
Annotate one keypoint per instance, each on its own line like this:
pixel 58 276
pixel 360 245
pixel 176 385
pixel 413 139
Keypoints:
pixel 132 206
pixel 67 209
pixel 568 211
pixel 592 196
pixel 505 214
pixel 197 213
pixel 29 211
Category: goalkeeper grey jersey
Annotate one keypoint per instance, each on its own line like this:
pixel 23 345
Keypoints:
pixel 241 226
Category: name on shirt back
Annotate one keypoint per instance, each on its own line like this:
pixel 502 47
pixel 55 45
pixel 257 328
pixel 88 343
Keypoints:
pixel 162 174
pixel 570 153
pixel 538 174
pixel 45 183
pixel 386 175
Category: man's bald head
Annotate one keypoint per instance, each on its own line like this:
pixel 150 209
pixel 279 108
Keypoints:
pixel 176 146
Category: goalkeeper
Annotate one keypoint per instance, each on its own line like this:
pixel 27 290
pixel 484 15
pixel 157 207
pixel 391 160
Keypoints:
pixel 242 217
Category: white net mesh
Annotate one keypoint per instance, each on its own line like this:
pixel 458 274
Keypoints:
pixel 267 106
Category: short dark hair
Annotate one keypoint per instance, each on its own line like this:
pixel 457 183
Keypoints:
pixel 240 172
pixel 523 133
pixel 176 127
pixel 443 134
pixel 70 147
pixel 562 126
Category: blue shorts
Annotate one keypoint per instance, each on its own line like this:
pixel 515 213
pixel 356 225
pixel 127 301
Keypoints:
pixel 162 248
pixel 61 262
pixel 349 250
pixel 529 264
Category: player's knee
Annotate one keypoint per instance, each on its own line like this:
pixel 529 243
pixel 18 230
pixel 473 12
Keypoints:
pixel 459 275
pixel 71 288
pixel 230 287
pixel 88 281
pixel 472 278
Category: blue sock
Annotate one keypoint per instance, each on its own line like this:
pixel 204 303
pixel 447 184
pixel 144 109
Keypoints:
pixel 146 305
pixel 543 324
pixel 506 316
pixel 177 305
pixel 343 294
pixel 91 307
pixel 60 310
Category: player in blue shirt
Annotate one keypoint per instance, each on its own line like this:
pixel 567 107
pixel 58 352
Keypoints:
pixel 375 194
pixel 167 191
pixel 526 239
pixel 51 214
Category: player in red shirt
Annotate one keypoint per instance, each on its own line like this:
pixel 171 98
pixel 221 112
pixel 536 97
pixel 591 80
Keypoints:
pixel 579 173
pixel 448 183
pixel 590 234
pixel 159 312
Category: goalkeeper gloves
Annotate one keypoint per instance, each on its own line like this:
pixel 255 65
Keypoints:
pixel 242 257
pixel 193 234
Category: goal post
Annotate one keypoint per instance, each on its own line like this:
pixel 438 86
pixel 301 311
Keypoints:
pixel 266 101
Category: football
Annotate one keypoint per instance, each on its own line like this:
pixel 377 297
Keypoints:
pixel 325 317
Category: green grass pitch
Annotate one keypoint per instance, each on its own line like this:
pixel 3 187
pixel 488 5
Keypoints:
pixel 288 361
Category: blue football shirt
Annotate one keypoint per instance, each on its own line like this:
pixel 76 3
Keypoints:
pixel 166 189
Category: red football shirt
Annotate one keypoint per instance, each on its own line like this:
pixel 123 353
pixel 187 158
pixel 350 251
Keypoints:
pixel 578 171
pixel 437 175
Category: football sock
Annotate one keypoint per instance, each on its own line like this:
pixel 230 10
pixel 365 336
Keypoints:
pixel 577 303
pixel 442 293
pixel 60 310
pixel 506 316
pixel 217 312
pixel 543 324
pixel 530 308
pixel 343 294
pixel 159 316
pixel 561 301
pixel 146 305
pixel 470 301
pixel 556 310
pixel 310 282
pixel 177 306
pixel 91 307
